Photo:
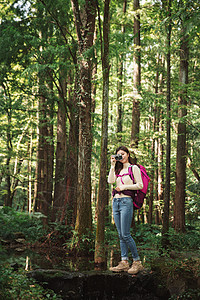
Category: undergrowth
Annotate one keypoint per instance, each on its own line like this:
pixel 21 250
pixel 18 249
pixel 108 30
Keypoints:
pixel 16 285
pixel 12 222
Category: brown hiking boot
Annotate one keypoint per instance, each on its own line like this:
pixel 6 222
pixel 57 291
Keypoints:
pixel 123 266
pixel 136 267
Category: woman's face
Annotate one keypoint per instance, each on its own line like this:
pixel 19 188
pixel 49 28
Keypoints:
pixel 125 156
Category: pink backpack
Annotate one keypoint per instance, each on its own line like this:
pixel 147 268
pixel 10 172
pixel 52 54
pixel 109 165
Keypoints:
pixel 140 194
pixel 137 195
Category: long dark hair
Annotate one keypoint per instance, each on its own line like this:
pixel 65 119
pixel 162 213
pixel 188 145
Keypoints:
pixel 119 165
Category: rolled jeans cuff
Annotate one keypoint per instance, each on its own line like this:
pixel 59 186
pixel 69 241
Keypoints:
pixel 124 258
pixel 136 259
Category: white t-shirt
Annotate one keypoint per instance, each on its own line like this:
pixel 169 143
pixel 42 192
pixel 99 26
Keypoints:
pixel 128 182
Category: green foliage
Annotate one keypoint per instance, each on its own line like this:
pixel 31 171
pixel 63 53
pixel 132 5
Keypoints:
pixel 185 241
pixel 148 240
pixel 193 204
pixel 111 236
pixel 80 245
pixel 147 236
pixel 13 222
pixel 16 285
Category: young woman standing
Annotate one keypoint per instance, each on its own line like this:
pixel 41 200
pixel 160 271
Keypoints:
pixel 123 207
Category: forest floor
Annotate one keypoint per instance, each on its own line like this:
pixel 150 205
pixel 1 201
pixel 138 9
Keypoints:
pixel 25 247
pixel 177 274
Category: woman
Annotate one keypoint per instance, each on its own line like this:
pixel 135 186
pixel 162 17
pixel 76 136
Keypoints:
pixel 123 207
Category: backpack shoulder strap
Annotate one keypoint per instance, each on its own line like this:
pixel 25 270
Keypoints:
pixel 130 172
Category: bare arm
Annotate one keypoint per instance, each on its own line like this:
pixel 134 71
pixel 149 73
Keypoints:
pixel 112 176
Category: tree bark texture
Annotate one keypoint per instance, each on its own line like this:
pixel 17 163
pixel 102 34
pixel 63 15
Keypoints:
pixel 136 79
pixel 102 200
pixel 84 18
pixel 165 228
pixel 179 205
pixel 60 168
pixel 45 151
pixel 153 159
pixel 72 156
pixel 151 189
pixel 8 199
pixel 160 149
pixel 160 170
pixel 120 82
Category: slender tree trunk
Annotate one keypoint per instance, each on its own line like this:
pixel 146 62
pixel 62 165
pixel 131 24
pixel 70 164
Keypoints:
pixel 8 199
pixel 94 76
pixel 60 168
pixel 45 151
pixel 119 100
pixel 30 150
pixel 50 142
pixel 72 155
pixel 120 82
pixel 36 183
pixel 41 203
pixel 156 114
pixel 160 171
pixel 151 192
pixel 136 79
pixel 85 26
pixel 179 205
pixel 103 187
pixel 94 89
pixel 160 149
pixel 165 228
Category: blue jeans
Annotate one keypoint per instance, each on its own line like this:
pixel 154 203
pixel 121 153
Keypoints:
pixel 123 214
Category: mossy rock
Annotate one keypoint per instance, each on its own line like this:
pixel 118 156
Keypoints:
pixel 101 285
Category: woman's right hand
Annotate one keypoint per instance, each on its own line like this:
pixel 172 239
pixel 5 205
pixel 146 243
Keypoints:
pixel 113 161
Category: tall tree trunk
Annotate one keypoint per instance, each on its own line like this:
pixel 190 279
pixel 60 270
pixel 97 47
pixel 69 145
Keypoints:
pixel 60 168
pixel 41 202
pixel 8 199
pixel 45 151
pixel 45 114
pixel 179 205
pixel 94 89
pixel 72 155
pixel 136 78
pixel 165 228
pixel 119 100
pixel 156 114
pixel 36 183
pixel 30 150
pixel 120 82
pixel 160 149
pixel 151 191
pixel 85 26
pixel 50 141
pixel 135 129
pixel 94 76
pixel 160 171
pixel 102 200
